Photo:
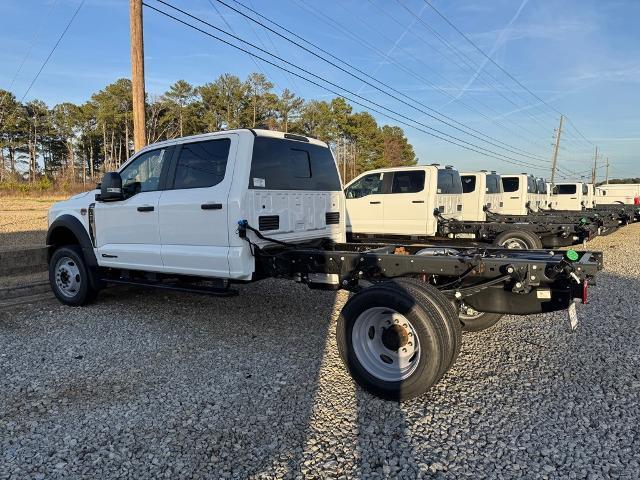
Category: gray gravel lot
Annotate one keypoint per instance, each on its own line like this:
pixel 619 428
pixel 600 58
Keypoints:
pixel 149 384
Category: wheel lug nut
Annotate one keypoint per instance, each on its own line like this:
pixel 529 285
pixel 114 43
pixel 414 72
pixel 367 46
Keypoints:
pixel 410 344
pixel 410 334
pixel 404 350
pixel 404 325
pixel 397 321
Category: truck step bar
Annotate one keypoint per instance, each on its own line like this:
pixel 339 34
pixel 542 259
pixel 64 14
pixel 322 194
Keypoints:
pixel 176 286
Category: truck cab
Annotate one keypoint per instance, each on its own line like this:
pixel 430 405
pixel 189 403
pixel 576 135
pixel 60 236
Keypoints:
pixel 520 194
pixel 609 194
pixel 481 191
pixel 543 194
pixel 402 200
pixel 174 206
pixel 572 196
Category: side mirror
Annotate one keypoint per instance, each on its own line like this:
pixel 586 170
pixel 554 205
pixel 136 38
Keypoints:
pixel 111 187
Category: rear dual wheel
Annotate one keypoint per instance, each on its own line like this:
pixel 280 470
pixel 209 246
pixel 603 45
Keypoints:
pixel 474 321
pixel 518 240
pixel 398 338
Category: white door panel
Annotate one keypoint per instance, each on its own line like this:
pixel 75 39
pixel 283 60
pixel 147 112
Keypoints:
pixel 405 214
pixel 127 237
pixel 365 214
pixel 193 219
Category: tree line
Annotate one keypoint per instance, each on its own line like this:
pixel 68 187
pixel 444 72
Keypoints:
pixel 75 143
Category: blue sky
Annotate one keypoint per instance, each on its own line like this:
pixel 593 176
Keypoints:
pixel 581 56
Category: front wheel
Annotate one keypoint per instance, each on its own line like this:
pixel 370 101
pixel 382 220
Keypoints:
pixel 393 342
pixel 69 276
pixel 474 321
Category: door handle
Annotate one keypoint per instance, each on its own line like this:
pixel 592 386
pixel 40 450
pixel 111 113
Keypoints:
pixel 514 198
pixel 146 208
pixel 417 201
pixel 211 206
pixel 375 203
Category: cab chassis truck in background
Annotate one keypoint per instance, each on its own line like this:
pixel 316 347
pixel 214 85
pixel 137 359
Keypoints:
pixel 399 332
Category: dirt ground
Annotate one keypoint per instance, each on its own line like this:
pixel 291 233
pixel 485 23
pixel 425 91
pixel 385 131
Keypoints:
pixel 23 220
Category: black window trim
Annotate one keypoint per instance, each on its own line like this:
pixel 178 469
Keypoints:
pixel 164 172
pixel 171 174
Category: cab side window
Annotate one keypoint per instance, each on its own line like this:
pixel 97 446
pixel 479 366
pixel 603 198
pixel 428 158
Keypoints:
pixel 468 183
pixel 143 173
pixel 408 182
pixel 510 184
pixel 368 185
pixel 202 164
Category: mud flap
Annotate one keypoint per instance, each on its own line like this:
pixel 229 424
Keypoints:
pixel 572 315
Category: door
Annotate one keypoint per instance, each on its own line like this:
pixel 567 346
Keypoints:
pixel 472 197
pixel 405 207
pixel 127 230
pixel 364 203
pixel 514 196
pixel 194 227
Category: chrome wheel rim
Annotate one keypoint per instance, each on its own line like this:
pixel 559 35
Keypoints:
pixel 386 344
pixel 68 280
pixel 515 244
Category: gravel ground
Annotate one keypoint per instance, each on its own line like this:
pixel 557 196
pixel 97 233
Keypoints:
pixel 145 384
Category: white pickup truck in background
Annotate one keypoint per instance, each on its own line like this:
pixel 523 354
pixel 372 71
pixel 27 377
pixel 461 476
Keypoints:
pixel 521 194
pixel 402 200
pixel 616 193
pixel 572 196
pixel 481 191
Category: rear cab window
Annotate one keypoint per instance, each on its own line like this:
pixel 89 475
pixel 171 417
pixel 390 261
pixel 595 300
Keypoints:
pixel 542 186
pixel 449 181
pixel 532 185
pixel 493 183
pixel 284 164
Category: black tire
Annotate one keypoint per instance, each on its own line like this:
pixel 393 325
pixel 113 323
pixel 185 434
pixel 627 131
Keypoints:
pixel 527 240
pixel 478 322
pixel 79 293
pixel 453 328
pixel 426 318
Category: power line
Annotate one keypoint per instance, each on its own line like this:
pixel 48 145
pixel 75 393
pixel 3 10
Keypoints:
pixel 474 66
pixel 452 25
pixel 393 115
pixel 46 60
pixel 34 39
pixel 448 121
pixel 323 17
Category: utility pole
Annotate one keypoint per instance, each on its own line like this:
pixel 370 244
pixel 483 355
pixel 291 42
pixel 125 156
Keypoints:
pixel 595 165
pixel 606 178
pixel 554 165
pixel 137 73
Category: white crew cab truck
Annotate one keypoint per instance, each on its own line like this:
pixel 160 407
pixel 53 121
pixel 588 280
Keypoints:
pixel 521 194
pixel 402 201
pixel 481 192
pixel 572 196
pixel 203 213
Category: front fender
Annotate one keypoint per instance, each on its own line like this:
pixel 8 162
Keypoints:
pixel 63 231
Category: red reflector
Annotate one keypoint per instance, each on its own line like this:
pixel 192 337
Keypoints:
pixel 585 292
